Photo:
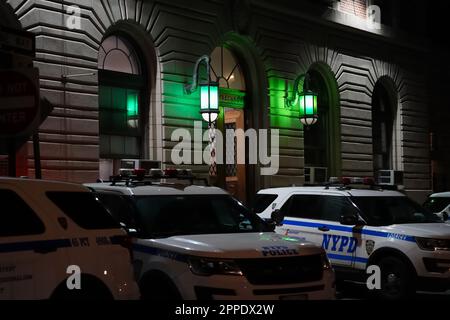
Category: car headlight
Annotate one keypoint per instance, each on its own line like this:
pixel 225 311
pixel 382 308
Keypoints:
pixel 326 264
pixel 433 244
pixel 208 267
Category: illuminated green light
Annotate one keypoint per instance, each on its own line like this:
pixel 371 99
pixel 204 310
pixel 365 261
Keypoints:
pixel 308 108
pixel 209 97
pixel 309 104
pixel 209 101
pixel 132 103
pixel 290 239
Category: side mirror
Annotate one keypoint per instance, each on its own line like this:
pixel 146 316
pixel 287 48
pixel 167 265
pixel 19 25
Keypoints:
pixel 277 217
pixel 445 216
pixel 349 220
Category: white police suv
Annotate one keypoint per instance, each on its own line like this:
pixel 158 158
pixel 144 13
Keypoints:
pixel 58 241
pixel 363 227
pixel 194 242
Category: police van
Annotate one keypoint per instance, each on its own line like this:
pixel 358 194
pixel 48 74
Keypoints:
pixel 360 227
pixel 57 241
pixel 197 242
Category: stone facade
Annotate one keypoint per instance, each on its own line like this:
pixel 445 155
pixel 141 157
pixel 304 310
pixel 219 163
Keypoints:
pixel 275 41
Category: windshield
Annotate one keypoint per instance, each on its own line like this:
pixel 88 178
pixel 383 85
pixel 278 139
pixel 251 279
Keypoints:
pixel 384 211
pixel 436 204
pixel 165 216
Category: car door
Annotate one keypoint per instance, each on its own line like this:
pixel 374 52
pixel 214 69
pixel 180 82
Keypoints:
pixel 315 217
pixel 20 231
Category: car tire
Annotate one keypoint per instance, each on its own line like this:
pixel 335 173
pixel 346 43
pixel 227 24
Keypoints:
pixel 90 290
pixel 397 279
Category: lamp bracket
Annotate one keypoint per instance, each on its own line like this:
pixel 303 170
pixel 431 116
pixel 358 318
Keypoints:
pixel 292 101
pixel 190 88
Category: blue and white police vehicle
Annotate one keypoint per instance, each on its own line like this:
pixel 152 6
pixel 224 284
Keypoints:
pixel 58 241
pixel 198 242
pixel 363 227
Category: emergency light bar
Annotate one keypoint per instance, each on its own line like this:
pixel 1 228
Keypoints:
pixel 348 182
pixel 135 176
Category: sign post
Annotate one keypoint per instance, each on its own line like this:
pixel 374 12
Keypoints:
pixel 19 109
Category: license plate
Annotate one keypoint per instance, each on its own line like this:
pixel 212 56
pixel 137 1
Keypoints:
pixel 295 297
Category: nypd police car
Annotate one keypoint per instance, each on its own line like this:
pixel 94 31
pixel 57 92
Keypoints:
pixel 363 227
pixel 194 242
pixel 58 241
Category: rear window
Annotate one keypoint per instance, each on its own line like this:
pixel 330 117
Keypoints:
pixel 17 218
pixel 262 201
pixel 436 205
pixel 84 209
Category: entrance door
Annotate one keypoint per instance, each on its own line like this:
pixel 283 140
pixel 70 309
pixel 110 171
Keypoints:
pixel 235 175
pixel 227 72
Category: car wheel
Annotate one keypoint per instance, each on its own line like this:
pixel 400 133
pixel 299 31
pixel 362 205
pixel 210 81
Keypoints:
pixel 92 292
pixel 397 279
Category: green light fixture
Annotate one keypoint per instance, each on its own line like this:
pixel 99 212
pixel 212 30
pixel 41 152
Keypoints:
pixel 306 100
pixel 209 92
pixel 133 108
pixel 209 105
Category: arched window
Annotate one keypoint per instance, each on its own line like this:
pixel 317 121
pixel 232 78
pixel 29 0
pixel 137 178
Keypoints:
pixel 121 88
pixel 321 140
pixel 226 70
pixel 316 136
pixel 383 128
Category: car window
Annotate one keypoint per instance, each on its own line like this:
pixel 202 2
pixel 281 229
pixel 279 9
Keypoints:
pixel 84 209
pixel 119 207
pixel 384 211
pixel 17 218
pixel 334 207
pixel 164 216
pixel 436 204
pixel 319 207
pixel 262 201
pixel 303 206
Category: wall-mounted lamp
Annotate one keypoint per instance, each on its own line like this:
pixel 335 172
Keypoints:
pixel 306 100
pixel 209 92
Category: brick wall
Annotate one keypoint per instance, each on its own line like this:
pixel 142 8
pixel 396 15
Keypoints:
pixel 355 7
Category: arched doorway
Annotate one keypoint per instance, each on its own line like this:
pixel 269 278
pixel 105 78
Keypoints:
pixel 228 72
pixel 322 140
pixel 384 133
pixel 122 107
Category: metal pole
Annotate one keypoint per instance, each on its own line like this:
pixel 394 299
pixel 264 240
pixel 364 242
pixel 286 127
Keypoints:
pixel 37 156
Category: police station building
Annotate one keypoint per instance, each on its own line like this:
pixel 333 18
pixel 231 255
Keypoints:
pixel 116 72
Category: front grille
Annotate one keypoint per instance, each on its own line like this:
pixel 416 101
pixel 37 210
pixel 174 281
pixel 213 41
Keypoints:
pixel 287 270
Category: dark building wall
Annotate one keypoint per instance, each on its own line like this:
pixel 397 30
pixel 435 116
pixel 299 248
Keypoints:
pixel 284 40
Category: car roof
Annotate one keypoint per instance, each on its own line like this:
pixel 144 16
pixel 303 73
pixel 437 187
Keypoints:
pixel 440 195
pixel 333 190
pixel 143 190
pixel 35 184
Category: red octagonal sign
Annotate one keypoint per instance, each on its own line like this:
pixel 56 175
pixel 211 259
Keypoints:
pixel 19 102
